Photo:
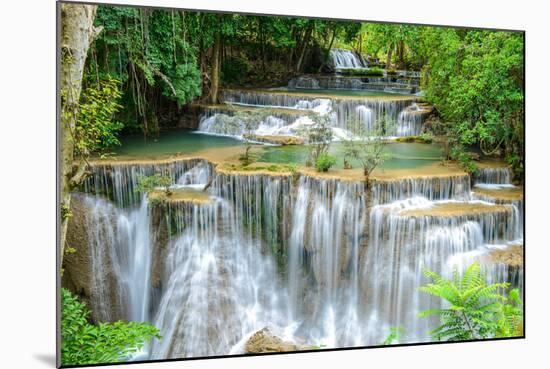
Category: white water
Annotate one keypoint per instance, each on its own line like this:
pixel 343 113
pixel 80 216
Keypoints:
pixel 342 59
pixel 347 116
pixel 121 259
pixel 222 276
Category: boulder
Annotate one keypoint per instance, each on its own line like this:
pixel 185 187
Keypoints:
pixel 265 341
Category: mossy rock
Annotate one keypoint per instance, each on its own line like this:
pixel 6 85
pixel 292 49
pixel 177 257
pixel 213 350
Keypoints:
pixel 277 140
pixel 417 139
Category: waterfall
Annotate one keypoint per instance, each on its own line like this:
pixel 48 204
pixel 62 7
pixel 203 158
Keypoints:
pixel 409 122
pixel 118 181
pixel 327 233
pixel 301 254
pixel 434 188
pixel 401 246
pixel 218 286
pixel 499 175
pixel 339 82
pixel 120 257
pixel 346 59
pixel 400 116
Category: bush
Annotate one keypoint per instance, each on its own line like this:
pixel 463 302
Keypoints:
pixel 465 160
pixel 234 70
pixel 324 162
pixel 370 72
pixel 146 184
pixel 83 343
pixel 475 309
pixel 426 137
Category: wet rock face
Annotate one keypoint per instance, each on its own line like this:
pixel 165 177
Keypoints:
pixel 265 341
pixel 78 268
pixel 77 265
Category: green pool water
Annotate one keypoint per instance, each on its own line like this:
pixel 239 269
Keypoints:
pixel 400 155
pixel 171 142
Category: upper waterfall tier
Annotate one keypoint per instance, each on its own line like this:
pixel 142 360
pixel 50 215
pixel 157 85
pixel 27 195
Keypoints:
pixel 391 84
pixel 346 59
pixel 394 116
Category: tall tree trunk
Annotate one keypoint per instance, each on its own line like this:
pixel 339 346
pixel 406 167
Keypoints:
pixel 401 54
pixel 215 83
pixel 388 59
pixel 327 52
pixel 77 33
pixel 304 48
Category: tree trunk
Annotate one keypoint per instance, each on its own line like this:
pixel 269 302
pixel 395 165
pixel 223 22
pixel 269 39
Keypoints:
pixel 304 48
pixel 401 54
pixel 77 33
pixel 388 59
pixel 215 74
pixel 327 52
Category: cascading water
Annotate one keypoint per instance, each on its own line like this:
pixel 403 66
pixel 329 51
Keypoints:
pixel 327 233
pixel 338 82
pixel 393 117
pixel 121 259
pixel 409 122
pixel 304 255
pixel 343 59
pixel 218 286
pixel 500 175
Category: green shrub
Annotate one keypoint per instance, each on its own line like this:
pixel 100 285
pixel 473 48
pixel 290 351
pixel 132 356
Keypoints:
pixel 370 72
pixel 83 343
pixel 146 184
pixel 234 70
pixel 324 162
pixel 394 336
pixel 426 137
pixel 465 160
pixel 474 309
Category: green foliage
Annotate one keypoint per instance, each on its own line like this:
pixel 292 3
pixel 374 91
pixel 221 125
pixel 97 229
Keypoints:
pixel 475 79
pixel 95 130
pixel 366 148
pixel 319 137
pixel 424 137
pixel 465 159
pixel 394 336
pixel 83 343
pixel 324 162
pixel 371 72
pixel 235 70
pixel 147 184
pixel 510 316
pixel 473 309
pixel 186 82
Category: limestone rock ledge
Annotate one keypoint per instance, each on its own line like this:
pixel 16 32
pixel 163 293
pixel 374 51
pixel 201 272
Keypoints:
pixel 265 341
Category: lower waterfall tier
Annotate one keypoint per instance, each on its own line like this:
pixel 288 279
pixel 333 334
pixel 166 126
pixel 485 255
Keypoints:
pixel 320 260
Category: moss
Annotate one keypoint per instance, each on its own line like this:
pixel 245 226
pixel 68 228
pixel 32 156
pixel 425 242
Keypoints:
pixel 453 209
pixel 278 140
pixel 272 168
pixel 371 72
pixel 425 139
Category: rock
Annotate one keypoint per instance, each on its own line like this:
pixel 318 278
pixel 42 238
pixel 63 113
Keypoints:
pixel 277 140
pixel 265 341
pixel 78 270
